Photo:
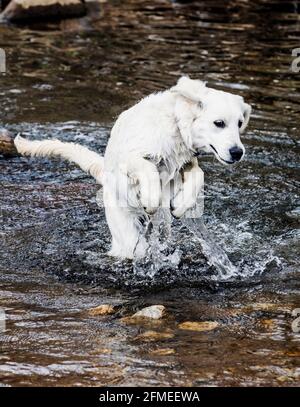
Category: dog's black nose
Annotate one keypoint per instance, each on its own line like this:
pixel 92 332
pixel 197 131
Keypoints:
pixel 236 153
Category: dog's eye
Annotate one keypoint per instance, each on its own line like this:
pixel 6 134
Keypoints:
pixel 219 123
pixel 240 123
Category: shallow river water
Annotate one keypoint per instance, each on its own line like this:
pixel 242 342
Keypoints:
pixel 70 80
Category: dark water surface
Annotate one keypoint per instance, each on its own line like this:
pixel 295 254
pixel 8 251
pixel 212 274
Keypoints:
pixel 70 80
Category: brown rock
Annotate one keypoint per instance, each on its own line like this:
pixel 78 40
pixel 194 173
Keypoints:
pixel 267 307
pixel 19 10
pixel 198 326
pixel 153 336
pixel 295 354
pixel 268 323
pixel 163 352
pixel 7 146
pixel 103 309
pixel 284 379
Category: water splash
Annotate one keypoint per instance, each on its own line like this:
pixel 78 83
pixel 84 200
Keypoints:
pixel 159 254
pixel 163 255
pixel 215 255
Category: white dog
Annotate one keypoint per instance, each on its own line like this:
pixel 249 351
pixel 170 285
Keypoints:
pixel 150 159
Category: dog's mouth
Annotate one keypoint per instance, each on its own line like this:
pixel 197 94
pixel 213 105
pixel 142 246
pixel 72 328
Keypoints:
pixel 220 158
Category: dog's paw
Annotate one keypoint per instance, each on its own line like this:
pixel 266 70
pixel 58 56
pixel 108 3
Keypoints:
pixel 188 194
pixel 150 198
pixel 183 201
pixel 145 175
pixel 180 210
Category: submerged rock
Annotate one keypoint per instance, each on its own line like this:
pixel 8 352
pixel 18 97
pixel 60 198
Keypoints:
pixel 7 146
pixel 198 326
pixel 19 10
pixel 103 309
pixel 267 307
pixel 153 336
pixel 163 352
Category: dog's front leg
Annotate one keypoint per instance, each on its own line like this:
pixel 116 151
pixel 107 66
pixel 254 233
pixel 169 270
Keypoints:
pixel 186 196
pixel 145 174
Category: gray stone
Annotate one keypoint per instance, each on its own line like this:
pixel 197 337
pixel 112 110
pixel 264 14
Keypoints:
pixel 20 10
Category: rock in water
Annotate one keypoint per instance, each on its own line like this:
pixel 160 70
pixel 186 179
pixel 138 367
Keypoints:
pixel 198 326
pixel 154 336
pixel 7 146
pixel 163 352
pixel 103 309
pixel 20 10
pixel 153 312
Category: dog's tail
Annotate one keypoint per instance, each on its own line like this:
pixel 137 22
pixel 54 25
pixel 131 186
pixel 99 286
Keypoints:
pixel 87 160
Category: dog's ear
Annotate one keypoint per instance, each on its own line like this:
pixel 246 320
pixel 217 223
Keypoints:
pixel 193 90
pixel 246 112
pixel 190 95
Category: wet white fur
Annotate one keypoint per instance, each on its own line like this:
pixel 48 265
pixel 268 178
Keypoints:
pixel 150 157
pixel 87 160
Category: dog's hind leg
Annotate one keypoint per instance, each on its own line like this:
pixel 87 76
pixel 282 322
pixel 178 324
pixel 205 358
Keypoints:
pixel 127 239
pixel 89 161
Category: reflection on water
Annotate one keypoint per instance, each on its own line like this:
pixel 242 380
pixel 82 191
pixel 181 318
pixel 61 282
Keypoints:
pixel 70 80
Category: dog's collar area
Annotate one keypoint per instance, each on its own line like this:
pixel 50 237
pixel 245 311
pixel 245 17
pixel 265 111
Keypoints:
pixel 193 152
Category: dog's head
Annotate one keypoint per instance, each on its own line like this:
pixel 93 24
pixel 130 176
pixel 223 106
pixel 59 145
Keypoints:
pixel 211 120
